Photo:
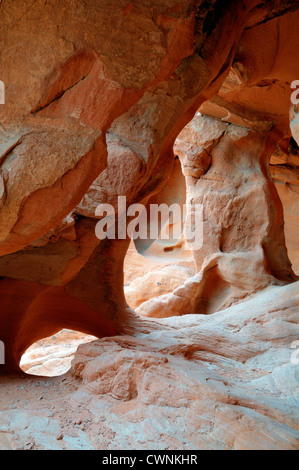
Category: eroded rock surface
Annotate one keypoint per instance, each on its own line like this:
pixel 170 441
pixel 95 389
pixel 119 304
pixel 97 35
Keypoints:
pixel 243 238
pixel 225 381
pixel 96 94
pixel 53 356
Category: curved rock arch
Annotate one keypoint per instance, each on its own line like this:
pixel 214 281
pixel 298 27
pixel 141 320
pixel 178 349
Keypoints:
pixel 145 103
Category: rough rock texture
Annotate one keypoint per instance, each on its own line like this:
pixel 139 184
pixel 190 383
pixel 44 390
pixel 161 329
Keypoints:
pixel 74 75
pixel 284 166
pixel 243 238
pixel 257 91
pixel 96 94
pixel 74 78
pixel 147 276
pixel 225 162
pixel 223 381
pixel 53 356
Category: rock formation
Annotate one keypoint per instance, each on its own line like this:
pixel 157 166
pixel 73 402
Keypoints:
pixel 226 168
pixel 223 381
pixel 99 100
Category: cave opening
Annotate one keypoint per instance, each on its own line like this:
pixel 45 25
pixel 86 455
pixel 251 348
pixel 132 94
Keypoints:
pixel 157 266
pixel 52 356
pixel 158 271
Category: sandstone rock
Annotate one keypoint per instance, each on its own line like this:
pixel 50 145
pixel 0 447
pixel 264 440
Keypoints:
pixel 257 92
pixel 243 240
pixel 284 171
pixel 37 197
pixel 229 380
pixel 221 376
pixel 129 78
pixel 53 356
pixel 155 283
pixel 122 177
